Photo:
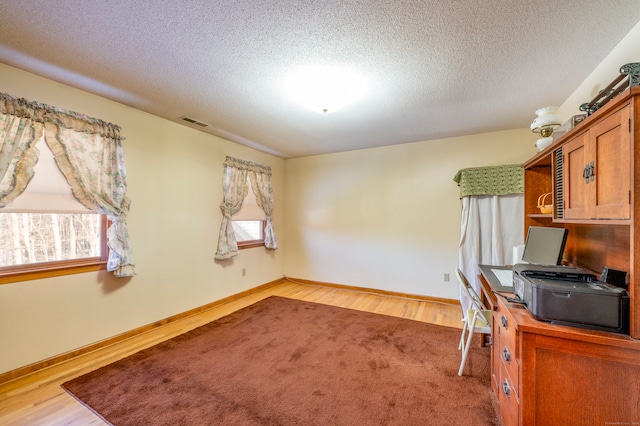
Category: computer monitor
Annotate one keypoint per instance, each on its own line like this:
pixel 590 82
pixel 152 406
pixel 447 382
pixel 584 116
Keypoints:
pixel 544 245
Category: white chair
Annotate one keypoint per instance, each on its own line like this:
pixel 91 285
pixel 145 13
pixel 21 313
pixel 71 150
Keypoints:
pixel 476 320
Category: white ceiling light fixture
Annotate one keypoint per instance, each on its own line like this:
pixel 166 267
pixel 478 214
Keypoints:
pixel 324 89
pixel 545 122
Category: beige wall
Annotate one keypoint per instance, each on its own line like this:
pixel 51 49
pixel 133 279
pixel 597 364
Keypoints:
pixel 175 184
pixel 387 218
pixel 628 50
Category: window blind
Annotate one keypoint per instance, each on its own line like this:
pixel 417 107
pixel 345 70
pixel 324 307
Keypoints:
pixel 48 190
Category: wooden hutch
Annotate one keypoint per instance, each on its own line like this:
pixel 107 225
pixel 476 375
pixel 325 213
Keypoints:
pixel 545 374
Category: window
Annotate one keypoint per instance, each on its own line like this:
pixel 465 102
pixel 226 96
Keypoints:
pixel 46 231
pixel 48 237
pixel 249 223
pixel 37 245
pixel 249 233
pixel 254 208
pixel 87 155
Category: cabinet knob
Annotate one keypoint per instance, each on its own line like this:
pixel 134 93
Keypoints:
pixel 505 323
pixel 506 388
pixel 507 355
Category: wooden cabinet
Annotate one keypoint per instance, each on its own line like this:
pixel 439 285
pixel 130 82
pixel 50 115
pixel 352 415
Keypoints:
pixel 596 164
pixel 593 172
pixel 544 374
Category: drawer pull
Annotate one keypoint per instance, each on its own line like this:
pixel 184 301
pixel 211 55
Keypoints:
pixel 507 355
pixel 506 388
pixel 505 323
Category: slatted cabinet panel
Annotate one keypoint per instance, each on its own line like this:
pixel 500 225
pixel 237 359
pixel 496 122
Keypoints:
pixel 574 191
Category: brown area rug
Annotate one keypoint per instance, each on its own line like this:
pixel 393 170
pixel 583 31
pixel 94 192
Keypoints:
pixel 288 362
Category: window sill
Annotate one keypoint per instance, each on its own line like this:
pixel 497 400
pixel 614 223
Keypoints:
pixel 36 271
pixel 250 244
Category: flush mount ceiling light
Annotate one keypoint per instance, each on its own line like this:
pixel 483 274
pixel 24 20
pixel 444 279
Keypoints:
pixel 324 89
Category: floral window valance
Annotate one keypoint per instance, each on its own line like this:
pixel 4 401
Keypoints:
pixel 43 113
pixel 491 180
pixel 88 152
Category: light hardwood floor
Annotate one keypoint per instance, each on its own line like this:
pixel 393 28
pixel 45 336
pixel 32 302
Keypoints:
pixel 38 399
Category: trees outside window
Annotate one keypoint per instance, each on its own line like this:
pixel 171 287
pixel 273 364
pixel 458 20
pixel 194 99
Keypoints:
pixel 29 238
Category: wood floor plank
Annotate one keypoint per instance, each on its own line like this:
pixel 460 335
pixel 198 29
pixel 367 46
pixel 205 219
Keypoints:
pixel 38 399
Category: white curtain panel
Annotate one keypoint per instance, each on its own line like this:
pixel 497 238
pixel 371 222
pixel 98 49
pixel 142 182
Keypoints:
pixel 93 164
pixel 261 184
pixel 18 153
pixel 491 226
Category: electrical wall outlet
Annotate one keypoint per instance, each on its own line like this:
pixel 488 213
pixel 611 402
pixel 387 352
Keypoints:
pixel 244 272
pixel 447 277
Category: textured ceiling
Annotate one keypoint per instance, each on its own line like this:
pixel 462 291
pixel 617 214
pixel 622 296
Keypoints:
pixel 433 68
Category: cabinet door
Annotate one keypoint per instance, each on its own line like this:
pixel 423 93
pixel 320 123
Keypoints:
pixel 610 149
pixel 575 159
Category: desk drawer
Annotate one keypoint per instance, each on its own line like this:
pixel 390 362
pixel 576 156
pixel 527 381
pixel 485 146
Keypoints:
pixel 508 398
pixel 495 356
pixel 505 326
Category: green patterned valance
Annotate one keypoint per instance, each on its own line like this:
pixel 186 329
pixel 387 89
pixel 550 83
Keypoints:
pixel 492 180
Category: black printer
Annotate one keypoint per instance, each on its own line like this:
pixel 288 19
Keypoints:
pixel 571 296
